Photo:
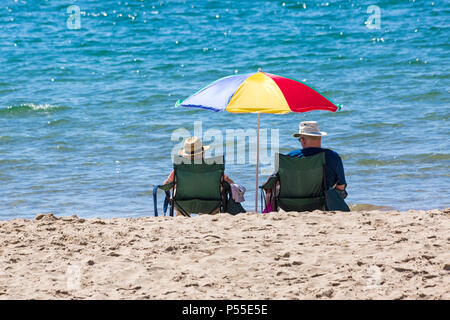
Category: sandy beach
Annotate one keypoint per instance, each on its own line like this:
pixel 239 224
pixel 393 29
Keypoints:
pixel 317 255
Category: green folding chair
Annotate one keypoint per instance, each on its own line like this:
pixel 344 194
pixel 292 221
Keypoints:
pixel 302 183
pixel 200 187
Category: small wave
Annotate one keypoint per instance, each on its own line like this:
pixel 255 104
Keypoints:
pixel 64 148
pixel 380 125
pixel 12 161
pixel 377 162
pixel 362 135
pixel 166 67
pixel 433 157
pixel 339 113
pixel 5 139
pixel 30 107
pixel 426 96
pixel 406 160
pixel 57 122
pixel 435 116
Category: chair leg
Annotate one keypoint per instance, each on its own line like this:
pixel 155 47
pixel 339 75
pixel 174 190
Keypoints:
pixel 171 208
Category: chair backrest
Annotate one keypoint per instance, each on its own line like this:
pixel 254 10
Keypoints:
pixel 301 182
pixel 301 177
pixel 199 181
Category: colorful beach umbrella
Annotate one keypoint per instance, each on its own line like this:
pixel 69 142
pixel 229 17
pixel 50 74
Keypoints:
pixel 258 92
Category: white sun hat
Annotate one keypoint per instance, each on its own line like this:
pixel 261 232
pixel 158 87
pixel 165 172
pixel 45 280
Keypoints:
pixel 309 128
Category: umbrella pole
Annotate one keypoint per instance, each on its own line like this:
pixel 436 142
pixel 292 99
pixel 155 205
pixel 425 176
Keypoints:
pixel 257 166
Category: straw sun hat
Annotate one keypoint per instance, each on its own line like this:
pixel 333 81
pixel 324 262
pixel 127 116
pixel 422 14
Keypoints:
pixel 192 147
pixel 309 128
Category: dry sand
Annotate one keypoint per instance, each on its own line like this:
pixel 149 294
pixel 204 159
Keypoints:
pixel 318 255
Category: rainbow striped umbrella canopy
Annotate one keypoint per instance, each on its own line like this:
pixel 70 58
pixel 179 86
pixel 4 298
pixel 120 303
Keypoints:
pixel 258 92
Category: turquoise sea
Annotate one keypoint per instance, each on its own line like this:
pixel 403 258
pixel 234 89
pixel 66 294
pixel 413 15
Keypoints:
pixel 86 115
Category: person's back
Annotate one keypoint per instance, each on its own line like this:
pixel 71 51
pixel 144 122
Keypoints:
pixel 334 169
pixel 193 153
pixel 311 140
pixel 193 150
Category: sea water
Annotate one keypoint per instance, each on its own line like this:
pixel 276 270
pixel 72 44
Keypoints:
pixel 87 95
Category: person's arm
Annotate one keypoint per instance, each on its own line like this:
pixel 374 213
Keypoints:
pixel 170 177
pixel 340 186
pixel 338 169
pixel 225 177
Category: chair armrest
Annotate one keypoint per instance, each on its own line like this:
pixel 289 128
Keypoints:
pixel 166 187
pixel 270 183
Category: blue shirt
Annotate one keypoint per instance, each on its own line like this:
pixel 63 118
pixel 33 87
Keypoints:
pixel 334 169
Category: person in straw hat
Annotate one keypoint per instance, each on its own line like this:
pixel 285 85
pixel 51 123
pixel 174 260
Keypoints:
pixel 310 138
pixel 193 149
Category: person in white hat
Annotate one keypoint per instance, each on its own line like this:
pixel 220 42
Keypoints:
pixel 193 149
pixel 310 138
